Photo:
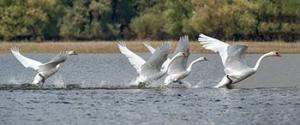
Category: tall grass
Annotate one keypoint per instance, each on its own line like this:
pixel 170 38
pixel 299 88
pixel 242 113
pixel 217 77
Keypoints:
pixel 136 46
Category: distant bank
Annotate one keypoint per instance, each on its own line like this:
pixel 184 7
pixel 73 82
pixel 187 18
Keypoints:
pixel 137 46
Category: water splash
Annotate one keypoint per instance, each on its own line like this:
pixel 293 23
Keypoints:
pixel 13 80
pixel 181 84
pixel 58 81
pixel 95 85
pixel 205 83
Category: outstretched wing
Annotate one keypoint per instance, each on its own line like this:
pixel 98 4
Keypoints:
pixel 60 58
pixel 135 60
pixel 149 47
pixel 236 58
pixel 233 56
pixel 214 45
pixel 152 50
pixel 182 45
pixel 154 64
pixel 26 62
pixel 179 64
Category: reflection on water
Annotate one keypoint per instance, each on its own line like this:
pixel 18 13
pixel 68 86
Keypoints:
pixel 93 89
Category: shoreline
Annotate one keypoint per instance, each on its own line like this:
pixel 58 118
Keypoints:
pixel 136 46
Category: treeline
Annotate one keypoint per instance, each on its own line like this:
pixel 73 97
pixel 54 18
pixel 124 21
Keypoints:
pixel 149 19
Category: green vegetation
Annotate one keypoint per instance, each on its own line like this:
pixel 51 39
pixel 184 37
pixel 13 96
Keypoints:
pixel 144 19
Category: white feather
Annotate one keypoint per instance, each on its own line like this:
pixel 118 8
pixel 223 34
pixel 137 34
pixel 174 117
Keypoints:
pixel 135 60
pixel 26 62
pixel 214 45
pixel 152 50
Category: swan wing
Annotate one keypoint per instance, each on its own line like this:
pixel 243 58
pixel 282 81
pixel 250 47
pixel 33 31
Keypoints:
pixel 182 44
pixel 154 64
pixel 236 58
pixel 149 47
pixel 135 60
pixel 179 64
pixel 214 45
pixel 26 62
pixel 152 50
pixel 52 64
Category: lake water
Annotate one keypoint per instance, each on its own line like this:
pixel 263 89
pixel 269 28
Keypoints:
pixel 271 96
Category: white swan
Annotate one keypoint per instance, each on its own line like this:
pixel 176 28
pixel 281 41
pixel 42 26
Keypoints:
pixel 178 69
pixel 151 69
pixel 233 59
pixel 45 70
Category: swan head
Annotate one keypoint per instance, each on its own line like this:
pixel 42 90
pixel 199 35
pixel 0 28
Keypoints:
pixel 185 55
pixel 72 52
pixel 274 53
pixel 203 58
pixel 180 54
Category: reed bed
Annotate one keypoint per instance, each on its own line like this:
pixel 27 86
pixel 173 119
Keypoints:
pixel 136 46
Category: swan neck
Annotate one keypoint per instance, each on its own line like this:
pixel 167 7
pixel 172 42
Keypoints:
pixel 171 61
pixel 259 61
pixel 191 65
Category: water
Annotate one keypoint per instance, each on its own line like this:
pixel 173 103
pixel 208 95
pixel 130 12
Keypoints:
pixel 271 96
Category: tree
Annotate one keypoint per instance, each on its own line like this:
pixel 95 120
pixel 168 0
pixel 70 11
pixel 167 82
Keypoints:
pixel 166 19
pixel 26 18
pixel 88 19
pixel 232 19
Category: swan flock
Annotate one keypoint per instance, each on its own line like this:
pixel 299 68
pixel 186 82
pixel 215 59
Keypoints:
pixel 173 67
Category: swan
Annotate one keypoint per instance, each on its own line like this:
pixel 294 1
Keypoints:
pixel 178 69
pixel 44 70
pixel 233 59
pixel 151 69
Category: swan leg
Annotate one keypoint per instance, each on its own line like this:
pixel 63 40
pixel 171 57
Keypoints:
pixel 224 82
pixel 41 84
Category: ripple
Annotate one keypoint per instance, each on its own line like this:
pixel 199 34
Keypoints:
pixel 61 102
